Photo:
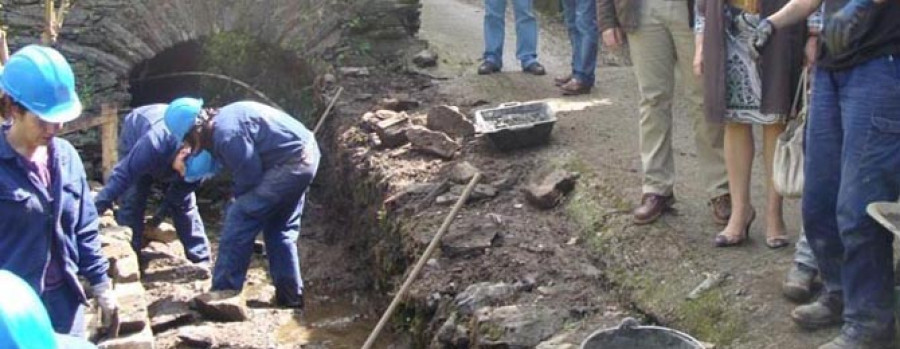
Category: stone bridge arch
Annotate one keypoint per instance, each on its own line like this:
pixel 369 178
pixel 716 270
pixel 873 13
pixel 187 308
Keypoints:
pixel 106 39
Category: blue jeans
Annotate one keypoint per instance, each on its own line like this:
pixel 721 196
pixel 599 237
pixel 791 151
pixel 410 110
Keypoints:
pixel 495 31
pixel 852 159
pixel 803 253
pixel 274 207
pixel 184 212
pixel 66 310
pixel 581 20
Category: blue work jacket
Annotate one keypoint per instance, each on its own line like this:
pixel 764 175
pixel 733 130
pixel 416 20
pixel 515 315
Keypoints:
pixel 33 219
pixel 250 138
pixel 151 155
pixel 137 123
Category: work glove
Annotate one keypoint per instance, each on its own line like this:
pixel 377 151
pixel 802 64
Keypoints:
pixel 839 28
pixel 102 205
pixel 109 308
pixel 760 38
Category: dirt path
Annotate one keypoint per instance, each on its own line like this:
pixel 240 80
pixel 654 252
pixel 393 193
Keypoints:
pixel 658 265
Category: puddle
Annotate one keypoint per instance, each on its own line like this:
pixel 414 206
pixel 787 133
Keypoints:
pixel 334 323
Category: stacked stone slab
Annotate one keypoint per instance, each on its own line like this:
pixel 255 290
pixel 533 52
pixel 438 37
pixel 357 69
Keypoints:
pixel 135 332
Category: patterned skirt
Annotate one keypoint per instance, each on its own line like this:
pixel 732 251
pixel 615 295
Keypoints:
pixel 743 85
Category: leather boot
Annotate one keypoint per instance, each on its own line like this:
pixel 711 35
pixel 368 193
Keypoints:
pixel 652 206
pixel 825 312
pixel 798 284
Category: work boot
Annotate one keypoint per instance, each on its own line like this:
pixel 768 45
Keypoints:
pixel 844 341
pixel 652 206
pixel 488 67
pixel 824 312
pixel 798 285
pixel 562 80
pixel 295 302
pixel 535 69
pixel 721 208
pixel 575 87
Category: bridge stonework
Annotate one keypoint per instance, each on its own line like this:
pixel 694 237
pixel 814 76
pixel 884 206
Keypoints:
pixel 105 39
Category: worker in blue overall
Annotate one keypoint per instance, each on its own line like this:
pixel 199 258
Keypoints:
pixel 48 223
pixel 272 158
pixel 146 151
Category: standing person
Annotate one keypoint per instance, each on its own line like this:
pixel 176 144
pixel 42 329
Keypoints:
pixel 495 31
pixel 661 40
pixel 48 224
pixel 581 20
pixel 853 153
pixel 742 93
pixel 272 158
pixel 798 283
pixel 146 151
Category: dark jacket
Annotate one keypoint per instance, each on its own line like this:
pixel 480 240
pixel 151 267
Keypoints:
pixel 624 13
pixel 780 64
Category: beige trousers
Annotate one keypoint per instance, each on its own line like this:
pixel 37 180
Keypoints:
pixel 663 42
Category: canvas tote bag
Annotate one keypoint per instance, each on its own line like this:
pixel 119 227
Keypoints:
pixel 787 171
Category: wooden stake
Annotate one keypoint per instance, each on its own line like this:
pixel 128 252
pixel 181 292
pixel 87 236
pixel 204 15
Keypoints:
pixel 435 241
pixel 109 138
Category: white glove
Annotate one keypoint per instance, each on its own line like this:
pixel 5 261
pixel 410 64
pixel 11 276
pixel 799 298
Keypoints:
pixel 105 296
pixel 109 308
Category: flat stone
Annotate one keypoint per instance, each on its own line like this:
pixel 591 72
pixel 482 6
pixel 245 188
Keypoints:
pixel 432 142
pixel 260 296
pixel 399 102
pixel 449 120
pixel 517 326
pixel 480 192
pixel 132 307
pixel 141 340
pixel 174 269
pixel 165 232
pixel 197 336
pixel 354 71
pixel 462 172
pixel 123 262
pixel 451 335
pixel 481 295
pixel 469 240
pixel 168 313
pixel 425 59
pixel 120 233
pixel 224 306
pixel 548 191
pixel 392 131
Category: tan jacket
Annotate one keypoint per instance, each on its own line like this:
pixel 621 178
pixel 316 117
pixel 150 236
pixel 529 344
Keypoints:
pixel 624 13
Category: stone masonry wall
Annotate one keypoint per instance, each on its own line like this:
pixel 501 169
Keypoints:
pixel 105 39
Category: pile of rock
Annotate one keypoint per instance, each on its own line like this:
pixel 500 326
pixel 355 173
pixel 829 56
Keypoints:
pixel 440 135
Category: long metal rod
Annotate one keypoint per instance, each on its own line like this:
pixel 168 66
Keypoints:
pixel 327 110
pixel 421 263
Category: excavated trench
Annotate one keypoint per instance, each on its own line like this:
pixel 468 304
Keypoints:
pixel 343 267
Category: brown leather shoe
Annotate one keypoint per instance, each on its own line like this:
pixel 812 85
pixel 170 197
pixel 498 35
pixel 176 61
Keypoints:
pixel 652 206
pixel 721 208
pixel 562 80
pixel 575 87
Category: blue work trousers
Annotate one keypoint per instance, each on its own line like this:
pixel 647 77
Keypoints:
pixel 581 21
pixel 66 310
pixel 184 212
pixel 273 207
pixel 852 159
pixel 495 31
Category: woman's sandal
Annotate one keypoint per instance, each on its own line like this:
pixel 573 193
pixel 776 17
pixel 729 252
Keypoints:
pixel 723 240
pixel 777 242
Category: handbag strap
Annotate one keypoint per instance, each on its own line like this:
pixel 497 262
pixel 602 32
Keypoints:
pixel 802 92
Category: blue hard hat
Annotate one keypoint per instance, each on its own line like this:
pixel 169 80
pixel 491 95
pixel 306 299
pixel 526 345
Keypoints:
pixel 200 167
pixel 24 322
pixel 181 116
pixel 40 79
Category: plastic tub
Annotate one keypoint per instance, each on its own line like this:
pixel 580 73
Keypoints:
pixel 516 125
pixel 630 335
